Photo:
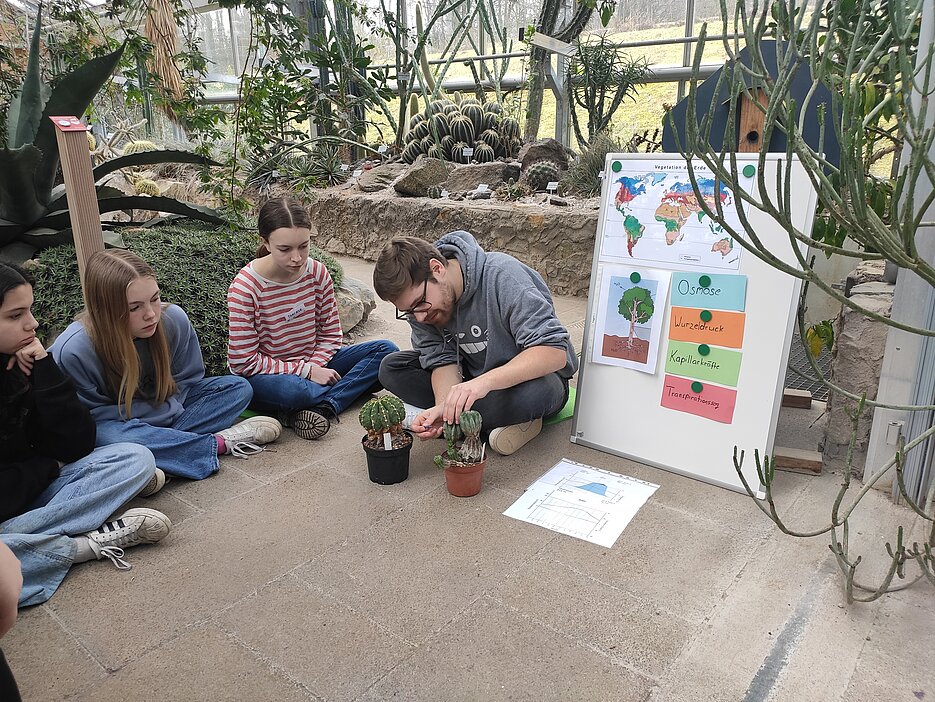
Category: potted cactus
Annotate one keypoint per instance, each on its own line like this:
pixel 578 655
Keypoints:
pixel 386 443
pixel 464 462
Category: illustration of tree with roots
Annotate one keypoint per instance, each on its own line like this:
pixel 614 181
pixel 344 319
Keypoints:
pixel 636 306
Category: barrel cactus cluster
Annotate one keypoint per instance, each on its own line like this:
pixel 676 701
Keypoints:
pixel 445 129
pixel 382 415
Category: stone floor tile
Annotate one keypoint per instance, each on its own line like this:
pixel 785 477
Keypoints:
pixel 423 564
pixel 214 560
pixel 492 653
pixel 332 650
pixel 47 662
pixel 202 665
pixel 595 614
pixel 227 483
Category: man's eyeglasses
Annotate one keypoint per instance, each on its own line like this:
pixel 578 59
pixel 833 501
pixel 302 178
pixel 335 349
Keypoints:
pixel 422 305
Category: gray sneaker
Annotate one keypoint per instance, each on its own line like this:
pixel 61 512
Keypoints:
pixel 509 440
pixel 155 484
pixel 139 525
pixel 248 437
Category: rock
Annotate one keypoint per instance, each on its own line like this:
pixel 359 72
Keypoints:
pixel 465 178
pixel 544 149
pixel 479 195
pixel 350 309
pixel 559 201
pixel 423 173
pixel 866 272
pixel 362 292
pixel 17 252
pixel 380 177
pixel 856 362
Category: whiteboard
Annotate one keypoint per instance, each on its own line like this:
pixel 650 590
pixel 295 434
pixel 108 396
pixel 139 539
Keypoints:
pixel 619 410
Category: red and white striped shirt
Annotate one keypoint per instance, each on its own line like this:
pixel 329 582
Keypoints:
pixel 282 327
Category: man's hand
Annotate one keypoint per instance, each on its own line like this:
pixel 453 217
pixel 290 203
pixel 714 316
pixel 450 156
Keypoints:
pixel 428 424
pixel 26 356
pixel 323 376
pixel 462 397
pixel 11 582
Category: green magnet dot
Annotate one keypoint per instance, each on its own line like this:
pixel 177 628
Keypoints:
pixel 697 387
pixel 635 277
pixel 705 316
pixel 704 349
pixel 749 171
pixel 616 166
pixel 704 281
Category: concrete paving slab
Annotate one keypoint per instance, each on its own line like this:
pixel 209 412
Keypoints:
pixel 423 564
pixel 493 653
pixel 214 561
pixel 335 652
pixel 202 665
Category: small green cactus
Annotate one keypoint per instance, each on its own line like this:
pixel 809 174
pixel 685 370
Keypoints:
pixel 145 186
pixel 433 191
pixel 470 450
pixel 382 415
pixel 540 174
pixel 135 147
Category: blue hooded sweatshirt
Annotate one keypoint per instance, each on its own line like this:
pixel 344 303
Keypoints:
pixel 505 308
pixel 75 355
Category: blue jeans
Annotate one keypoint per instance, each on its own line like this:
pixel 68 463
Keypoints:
pixel 358 365
pixel 188 448
pixel 82 498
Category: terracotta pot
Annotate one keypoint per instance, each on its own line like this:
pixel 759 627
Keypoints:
pixel 464 479
pixel 387 467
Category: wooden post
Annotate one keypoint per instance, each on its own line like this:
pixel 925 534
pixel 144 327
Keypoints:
pixel 750 130
pixel 71 136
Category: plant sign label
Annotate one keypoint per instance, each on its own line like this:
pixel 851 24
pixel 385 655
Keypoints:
pixel 381 149
pixel 601 175
pixel 444 193
pixel 552 186
pixel 482 187
pixel 467 151
pixel 387 441
pixel 403 77
pixel 357 173
pixel 344 167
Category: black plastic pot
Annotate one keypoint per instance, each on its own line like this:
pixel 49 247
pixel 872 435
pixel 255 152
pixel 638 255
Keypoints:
pixel 388 467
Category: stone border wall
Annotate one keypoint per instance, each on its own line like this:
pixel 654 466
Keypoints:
pixel 556 241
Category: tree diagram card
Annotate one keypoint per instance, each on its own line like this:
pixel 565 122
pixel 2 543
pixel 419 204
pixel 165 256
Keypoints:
pixel 652 216
pixel 630 312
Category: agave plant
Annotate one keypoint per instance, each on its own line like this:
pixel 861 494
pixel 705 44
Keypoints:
pixel 32 208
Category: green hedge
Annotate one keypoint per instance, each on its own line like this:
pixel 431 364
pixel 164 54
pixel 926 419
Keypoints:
pixel 194 265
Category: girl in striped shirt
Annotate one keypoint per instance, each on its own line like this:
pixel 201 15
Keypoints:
pixel 284 332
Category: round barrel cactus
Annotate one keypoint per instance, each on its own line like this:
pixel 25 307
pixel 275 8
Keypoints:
pixel 381 415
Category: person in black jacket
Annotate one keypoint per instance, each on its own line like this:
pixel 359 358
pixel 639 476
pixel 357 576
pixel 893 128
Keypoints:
pixel 56 489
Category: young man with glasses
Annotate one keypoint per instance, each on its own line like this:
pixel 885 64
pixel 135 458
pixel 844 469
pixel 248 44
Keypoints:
pixel 485 336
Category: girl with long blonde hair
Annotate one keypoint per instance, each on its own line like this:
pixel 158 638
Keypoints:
pixel 138 366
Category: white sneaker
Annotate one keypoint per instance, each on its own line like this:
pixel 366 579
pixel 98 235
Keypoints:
pixel 509 440
pixel 411 413
pixel 139 525
pixel 155 484
pixel 247 437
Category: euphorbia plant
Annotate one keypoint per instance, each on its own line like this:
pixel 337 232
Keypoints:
pixel 470 450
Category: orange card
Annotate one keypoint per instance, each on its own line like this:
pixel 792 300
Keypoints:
pixel 714 327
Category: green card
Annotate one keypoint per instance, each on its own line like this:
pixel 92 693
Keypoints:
pixel 720 366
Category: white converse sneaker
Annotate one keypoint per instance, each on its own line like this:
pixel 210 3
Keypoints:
pixel 247 437
pixel 509 440
pixel 155 484
pixel 139 525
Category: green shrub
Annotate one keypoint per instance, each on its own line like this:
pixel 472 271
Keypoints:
pixel 194 264
pixel 582 177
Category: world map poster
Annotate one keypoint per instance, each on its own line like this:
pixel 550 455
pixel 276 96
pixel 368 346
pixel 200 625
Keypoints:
pixel 653 216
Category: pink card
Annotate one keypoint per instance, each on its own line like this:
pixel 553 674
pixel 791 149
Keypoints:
pixel 701 398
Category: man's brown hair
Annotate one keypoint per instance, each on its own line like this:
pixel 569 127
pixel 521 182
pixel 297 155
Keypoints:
pixel 403 263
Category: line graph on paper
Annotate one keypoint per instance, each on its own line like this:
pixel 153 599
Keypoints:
pixel 581 501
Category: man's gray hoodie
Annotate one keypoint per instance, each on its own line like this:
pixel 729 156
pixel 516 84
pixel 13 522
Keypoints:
pixel 506 307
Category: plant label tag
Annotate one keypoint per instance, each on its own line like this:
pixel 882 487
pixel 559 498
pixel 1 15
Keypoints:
pixel 344 167
pixel 601 175
pixel 403 77
pixel 552 186
pixel 357 173
pixel 381 149
pixel 467 151
pixel 444 193
pixel 387 442
pixel 482 187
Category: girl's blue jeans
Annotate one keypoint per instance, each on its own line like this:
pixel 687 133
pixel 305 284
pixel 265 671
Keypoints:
pixel 187 449
pixel 85 494
pixel 358 365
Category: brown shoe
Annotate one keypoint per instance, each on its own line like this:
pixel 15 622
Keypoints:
pixel 509 440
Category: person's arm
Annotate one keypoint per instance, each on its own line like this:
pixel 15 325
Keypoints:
pixel 327 322
pixel 243 345
pixel 11 583
pixel 63 428
pixel 75 355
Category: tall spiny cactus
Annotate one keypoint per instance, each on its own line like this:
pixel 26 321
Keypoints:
pixel 471 423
